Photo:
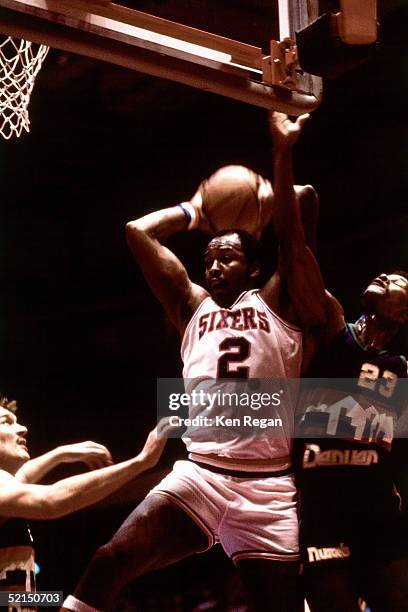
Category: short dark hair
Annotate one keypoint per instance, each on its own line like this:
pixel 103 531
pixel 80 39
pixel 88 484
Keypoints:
pixel 250 245
pixel 8 404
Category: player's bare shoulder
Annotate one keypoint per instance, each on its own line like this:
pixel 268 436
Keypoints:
pixel 6 477
pixel 8 483
pixel 335 320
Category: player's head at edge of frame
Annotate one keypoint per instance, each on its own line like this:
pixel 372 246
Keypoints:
pixel 13 443
pixel 386 297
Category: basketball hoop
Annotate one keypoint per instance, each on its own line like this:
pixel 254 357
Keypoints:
pixel 20 62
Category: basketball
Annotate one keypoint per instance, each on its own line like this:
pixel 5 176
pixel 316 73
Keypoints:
pixel 235 197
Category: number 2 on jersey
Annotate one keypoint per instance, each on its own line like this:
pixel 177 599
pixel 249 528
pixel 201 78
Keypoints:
pixel 236 350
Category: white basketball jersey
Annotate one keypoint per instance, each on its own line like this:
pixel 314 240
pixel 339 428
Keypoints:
pixel 247 340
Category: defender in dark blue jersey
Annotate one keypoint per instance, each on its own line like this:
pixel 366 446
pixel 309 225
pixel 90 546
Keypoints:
pixel 353 529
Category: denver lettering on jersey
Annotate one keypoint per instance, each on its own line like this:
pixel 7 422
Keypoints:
pixel 240 319
pixel 315 457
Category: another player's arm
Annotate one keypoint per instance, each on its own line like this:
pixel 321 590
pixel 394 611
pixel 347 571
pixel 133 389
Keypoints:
pixel 164 272
pixel 308 205
pixel 335 322
pixel 308 202
pixel 94 455
pixel 41 502
pixel 298 266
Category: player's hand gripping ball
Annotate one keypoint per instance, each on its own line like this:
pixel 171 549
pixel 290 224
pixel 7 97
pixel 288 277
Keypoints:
pixel 236 197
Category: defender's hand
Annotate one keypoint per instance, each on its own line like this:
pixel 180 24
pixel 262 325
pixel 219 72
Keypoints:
pixel 94 455
pixel 155 443
pixel 284 131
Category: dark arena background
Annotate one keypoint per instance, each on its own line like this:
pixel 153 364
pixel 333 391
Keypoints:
pixel 82 338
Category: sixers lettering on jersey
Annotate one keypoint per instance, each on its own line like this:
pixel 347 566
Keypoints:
pixel 239 319
pixel 249 341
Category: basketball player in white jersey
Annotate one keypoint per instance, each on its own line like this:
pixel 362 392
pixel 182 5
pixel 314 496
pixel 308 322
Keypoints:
pixel 240 493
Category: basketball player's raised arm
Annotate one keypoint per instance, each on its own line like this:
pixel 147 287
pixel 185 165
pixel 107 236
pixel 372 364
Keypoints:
pixel 92 454
pixel 298 265
pixel 165 273
pixel 41 502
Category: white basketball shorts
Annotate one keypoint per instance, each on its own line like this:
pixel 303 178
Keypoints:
pixel 249 517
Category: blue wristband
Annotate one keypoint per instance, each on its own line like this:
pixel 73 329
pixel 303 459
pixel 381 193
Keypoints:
pixel 190 214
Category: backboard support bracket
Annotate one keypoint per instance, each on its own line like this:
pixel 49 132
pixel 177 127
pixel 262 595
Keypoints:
pixel 161 48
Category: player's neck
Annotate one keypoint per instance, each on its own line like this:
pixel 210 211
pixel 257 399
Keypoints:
pixel 11 465
pixel 373 332
pixel 228 299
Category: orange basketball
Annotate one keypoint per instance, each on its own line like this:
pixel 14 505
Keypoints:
pixel 234 197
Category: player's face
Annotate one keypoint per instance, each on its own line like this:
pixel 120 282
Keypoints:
pixel 387 296
pixel 13 445
pixel 226 269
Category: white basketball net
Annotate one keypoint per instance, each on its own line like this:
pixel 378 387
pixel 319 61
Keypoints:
pixel 20 62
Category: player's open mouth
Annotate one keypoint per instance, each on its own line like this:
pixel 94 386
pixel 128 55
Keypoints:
pixel 379 283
